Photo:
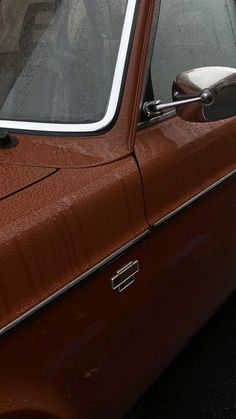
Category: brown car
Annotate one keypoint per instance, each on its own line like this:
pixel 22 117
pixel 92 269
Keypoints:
pixel 118 210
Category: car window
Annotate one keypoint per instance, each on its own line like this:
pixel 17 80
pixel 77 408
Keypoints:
pixel 57 58
pixel 191 34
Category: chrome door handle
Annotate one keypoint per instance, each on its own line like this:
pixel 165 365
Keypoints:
pixel 125 276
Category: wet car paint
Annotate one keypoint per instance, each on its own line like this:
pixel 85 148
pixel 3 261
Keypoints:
pixel 92 352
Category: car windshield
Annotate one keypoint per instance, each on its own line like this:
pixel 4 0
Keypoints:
pixel 58 58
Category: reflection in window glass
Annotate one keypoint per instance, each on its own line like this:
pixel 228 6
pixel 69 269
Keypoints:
pixel 57 58
pixel 192 34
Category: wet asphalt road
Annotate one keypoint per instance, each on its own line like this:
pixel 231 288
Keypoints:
pixel 201 383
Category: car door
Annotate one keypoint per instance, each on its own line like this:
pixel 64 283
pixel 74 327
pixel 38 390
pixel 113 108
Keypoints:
pixel 188 174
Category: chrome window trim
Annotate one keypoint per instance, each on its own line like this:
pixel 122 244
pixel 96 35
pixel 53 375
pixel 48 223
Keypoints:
pixel 194 198
pixel 72 284
pixel 113 99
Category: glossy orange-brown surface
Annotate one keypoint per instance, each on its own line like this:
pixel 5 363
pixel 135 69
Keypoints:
pixel 192 271
pixel 19 177
pixel 78 351
pixel 179 159
pixel 88 204
pixel 70 203
pixel 61 227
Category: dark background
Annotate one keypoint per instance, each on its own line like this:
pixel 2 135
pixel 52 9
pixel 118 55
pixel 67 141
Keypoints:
pixel 201 382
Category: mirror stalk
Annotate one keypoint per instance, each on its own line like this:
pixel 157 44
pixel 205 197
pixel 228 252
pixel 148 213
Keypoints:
pixel 204 94
pixel 157 108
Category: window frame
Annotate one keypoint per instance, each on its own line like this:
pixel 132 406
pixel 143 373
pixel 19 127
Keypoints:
pixel 114 98
pixel 143 123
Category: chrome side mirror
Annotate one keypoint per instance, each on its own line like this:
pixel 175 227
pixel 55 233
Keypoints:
pixel 201 95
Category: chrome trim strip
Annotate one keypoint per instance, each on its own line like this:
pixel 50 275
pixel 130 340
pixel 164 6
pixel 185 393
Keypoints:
pixel 114 96
pixel 72 284
pixel 156 119
pixel 101 264
pixel 194 198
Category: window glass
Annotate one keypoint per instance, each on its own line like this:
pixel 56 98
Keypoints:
pixel 191 34
pixel 57 58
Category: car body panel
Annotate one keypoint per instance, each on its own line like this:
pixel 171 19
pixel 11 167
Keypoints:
pixel 179 160
pixel 79 350
pixel 62 227
pixel 68 225
pixel 192 271
pixel 16 178
pixel 188 180
pixel 71 346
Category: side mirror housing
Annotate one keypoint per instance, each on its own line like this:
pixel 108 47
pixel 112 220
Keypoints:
pixel 204 94
pixel 219 82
